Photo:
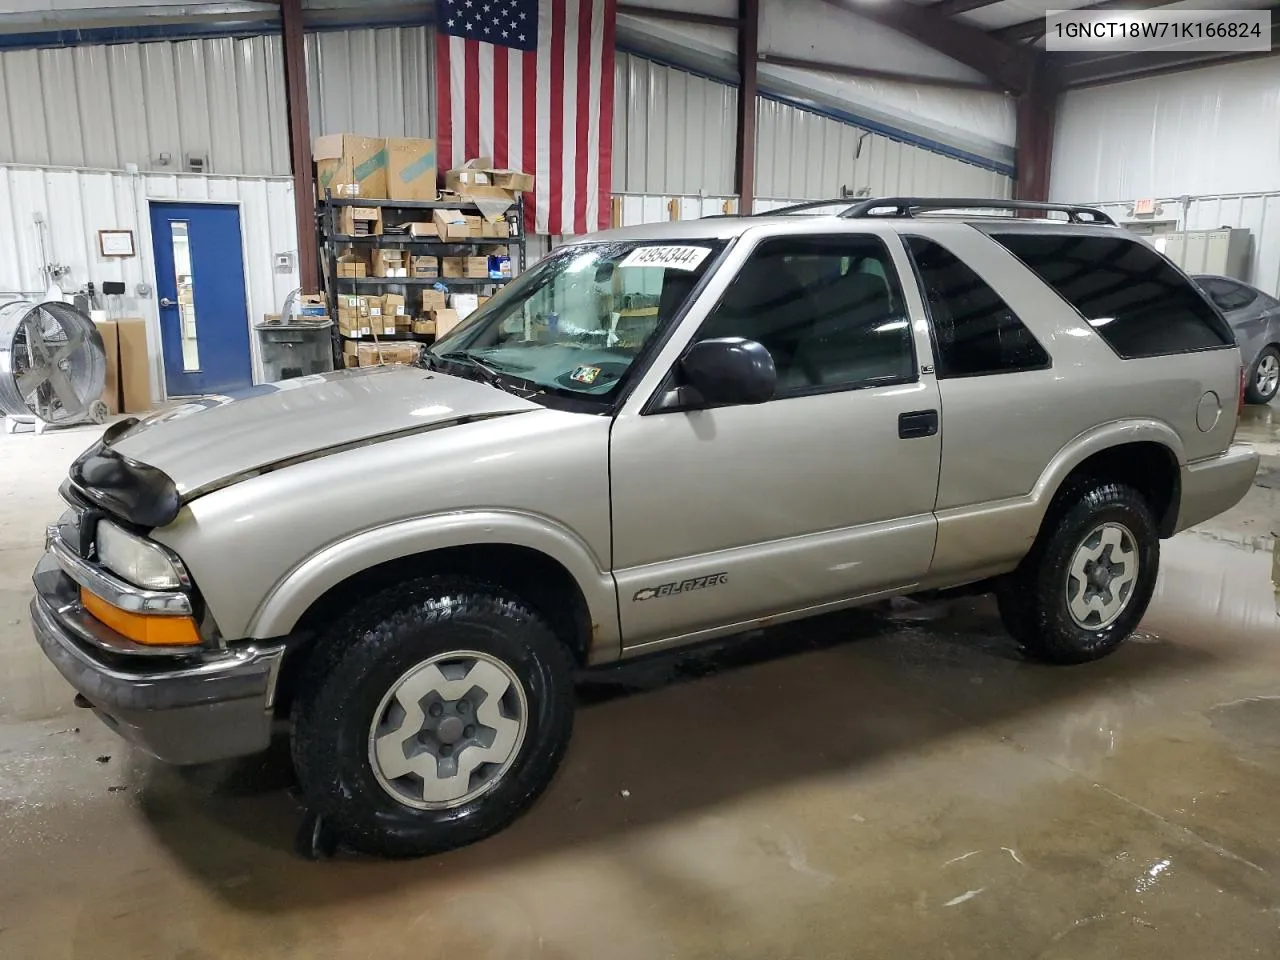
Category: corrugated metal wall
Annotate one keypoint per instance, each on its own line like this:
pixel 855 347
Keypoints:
pixel 1259 213
pixel 76 204
pixel 106 106
pixel 673 132
pixel 376 82
pixel 803 155
pixel 1204 132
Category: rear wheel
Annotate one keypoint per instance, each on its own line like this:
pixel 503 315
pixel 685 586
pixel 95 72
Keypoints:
pixel 1264 381
pixel 432 717
pixel 1087 581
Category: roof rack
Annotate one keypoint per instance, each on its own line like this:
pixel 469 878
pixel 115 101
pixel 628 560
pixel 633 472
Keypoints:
pixel 910 206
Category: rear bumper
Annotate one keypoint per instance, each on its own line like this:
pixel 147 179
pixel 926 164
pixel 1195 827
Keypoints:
pixel 1210 487
pixel 192 709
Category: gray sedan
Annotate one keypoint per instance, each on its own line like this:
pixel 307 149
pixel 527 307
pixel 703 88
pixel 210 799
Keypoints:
pixel 1255 318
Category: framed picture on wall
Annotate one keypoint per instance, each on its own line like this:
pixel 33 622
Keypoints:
pixel 116 243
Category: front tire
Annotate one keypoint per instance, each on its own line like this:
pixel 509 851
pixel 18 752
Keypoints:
pixel 1264 378
pixel 1089 577
pixel 431 717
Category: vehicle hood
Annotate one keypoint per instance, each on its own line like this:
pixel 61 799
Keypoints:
pixel 206 443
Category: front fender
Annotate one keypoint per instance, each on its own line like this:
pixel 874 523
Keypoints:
pixel 293 594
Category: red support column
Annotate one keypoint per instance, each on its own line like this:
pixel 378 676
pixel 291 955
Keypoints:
pixel 304 191
pixel 748 61
pixel 1036 117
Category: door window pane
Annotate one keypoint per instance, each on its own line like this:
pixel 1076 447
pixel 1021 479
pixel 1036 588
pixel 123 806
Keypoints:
pixel 186 296
pixel 1133 297
pixel 1227 295
pixel 828 309
pixel 974 330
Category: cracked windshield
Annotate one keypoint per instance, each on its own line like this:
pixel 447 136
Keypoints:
pixel 577 321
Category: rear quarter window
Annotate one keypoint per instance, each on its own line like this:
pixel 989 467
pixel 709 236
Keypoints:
pixel 1137 301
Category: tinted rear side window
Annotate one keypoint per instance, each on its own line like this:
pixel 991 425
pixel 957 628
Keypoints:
pixel 1139 304
pixel 974 330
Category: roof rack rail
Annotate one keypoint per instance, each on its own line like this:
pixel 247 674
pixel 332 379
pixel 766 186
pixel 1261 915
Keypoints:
pixel 802 207
pixel 910 206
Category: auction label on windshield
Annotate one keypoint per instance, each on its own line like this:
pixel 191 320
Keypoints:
pixel 673 258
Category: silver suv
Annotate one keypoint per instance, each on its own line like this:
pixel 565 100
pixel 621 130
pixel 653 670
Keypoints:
pixel 653 437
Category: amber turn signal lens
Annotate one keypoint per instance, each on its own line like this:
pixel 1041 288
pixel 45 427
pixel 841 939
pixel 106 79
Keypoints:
pixel 148 629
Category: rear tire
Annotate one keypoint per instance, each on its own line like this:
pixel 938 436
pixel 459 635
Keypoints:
pixel 1264 378
pixel 1089 577
pixel 431 717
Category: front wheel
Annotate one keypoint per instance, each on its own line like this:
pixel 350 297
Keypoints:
pixel 432 717
pixel 1088 579
pixel 1264 379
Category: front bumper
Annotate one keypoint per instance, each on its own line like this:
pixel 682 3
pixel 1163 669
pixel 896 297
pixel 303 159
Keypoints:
pixel 194 708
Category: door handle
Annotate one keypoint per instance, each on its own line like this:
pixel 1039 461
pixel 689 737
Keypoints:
pixel 166 302
pixel 917 423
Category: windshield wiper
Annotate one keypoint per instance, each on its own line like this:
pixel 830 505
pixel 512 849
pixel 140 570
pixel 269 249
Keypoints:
pixel 491 372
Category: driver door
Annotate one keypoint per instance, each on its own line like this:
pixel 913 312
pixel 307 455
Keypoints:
pixel 724 517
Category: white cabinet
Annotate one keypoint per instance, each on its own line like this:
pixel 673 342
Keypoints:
pixel 1224 251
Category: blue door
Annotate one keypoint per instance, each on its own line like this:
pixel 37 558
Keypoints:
pixel 204 322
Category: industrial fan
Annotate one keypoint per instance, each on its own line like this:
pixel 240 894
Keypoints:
pixel 53 366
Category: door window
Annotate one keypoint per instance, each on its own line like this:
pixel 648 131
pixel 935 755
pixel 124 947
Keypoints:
pixel 974 330
pixel 828 309
pixel 1226 294
pixel 184 279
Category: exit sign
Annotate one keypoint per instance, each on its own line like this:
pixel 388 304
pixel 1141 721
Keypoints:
pixel 1144 207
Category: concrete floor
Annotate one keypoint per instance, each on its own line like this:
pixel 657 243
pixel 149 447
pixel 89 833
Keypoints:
pixel 884 783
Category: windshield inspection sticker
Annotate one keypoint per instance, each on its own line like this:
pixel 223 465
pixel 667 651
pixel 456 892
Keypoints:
pixel 586 375
pixel 673 258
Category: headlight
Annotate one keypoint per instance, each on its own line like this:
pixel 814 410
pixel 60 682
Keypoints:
pixel 141 562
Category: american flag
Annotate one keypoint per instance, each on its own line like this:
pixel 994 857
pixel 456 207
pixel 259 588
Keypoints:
pixel 530 84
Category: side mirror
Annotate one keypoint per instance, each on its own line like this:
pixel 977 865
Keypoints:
pixel 730 370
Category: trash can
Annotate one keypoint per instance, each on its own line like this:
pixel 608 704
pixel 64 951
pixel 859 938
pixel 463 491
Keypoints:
pixel 291 350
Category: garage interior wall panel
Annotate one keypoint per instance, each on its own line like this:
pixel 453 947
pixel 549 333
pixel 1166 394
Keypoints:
pixel 98 106
pixel 805 155
pixel 1204 132
pixel 673 131
pixel 376 82
pixel 76 204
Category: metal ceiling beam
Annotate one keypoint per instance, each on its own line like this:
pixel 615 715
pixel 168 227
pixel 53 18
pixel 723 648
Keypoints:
pixel 678 16
pixel 846 70
pixel 1006 65
pixel 1036 117
pixel 1034 29
pixel 951 8
pixel 748 91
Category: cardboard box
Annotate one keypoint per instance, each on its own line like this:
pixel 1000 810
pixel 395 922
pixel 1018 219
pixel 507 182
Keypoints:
pixel 464 304
pixel 450 224
pixel 424 326
pixel 351 324
pixel 453 266
pixel 472 174
pixel 424 268
pixel 495 230
pixel 445 321
pixel 477 268
pixel 356 303
pixel 424 231
pixel 350 165
pixel 432 300
pixel 135 365
pixel 512 180
pixel 390 263
pixel 375 354
pixel 271 318
pixel 352 264
pixel 411 169
pixel 111 344
pixel 360 221
pixel 475 226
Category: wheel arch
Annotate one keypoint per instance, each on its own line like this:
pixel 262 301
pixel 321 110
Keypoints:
pixel 1145 454
pixel 527 554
